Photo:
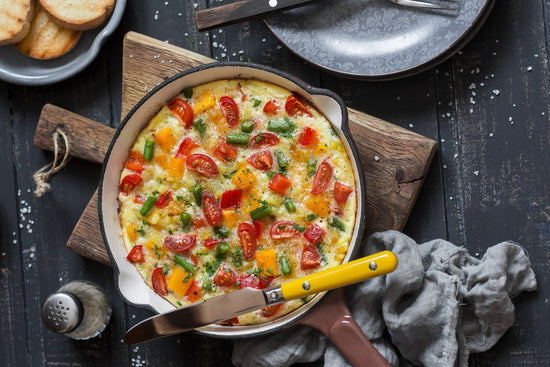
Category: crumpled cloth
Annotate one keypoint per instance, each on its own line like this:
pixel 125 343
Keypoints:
pixel 437 307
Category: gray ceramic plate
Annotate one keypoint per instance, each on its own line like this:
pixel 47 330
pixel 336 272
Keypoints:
pixel 20 69
pixel 376 39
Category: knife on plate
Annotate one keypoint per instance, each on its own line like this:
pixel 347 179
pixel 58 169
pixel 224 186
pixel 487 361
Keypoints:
pixel 240 11
pixel 245 300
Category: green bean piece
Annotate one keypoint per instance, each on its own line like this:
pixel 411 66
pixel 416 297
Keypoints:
pixel 185 219
pixel 280 126
pixel 222 231
pixel 336 223
pixel 188 92
pixel 256 102
pixel 237 138
pixel 196 190
pixel 148 150
pixel 311 165
pixel 247 126
pixel 311 217
pixel 260 212
pixel 282 160
pixel 148 205
pixel 221 250
pixel 289 205
pixel 200 126
pixel 285 265
pixel 207 284
pixel 184 263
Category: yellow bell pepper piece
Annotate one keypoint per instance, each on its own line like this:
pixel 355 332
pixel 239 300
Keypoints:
pixel 176 167
pixel 204 103
pixel 179 281
pixel 231 217
pixel 132 233
pixel 165 139
pixel 244 178
pixel 267 261
pixel 318 204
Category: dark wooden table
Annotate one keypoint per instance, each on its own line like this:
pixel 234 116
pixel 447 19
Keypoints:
pixel 489 181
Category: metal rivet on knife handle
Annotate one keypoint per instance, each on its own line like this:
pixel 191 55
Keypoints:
pixel 306 286
pixel 373 266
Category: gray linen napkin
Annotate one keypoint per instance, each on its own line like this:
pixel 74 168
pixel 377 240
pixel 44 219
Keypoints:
pixel 437 307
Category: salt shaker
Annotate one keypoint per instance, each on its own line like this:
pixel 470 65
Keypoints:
pixel 79 310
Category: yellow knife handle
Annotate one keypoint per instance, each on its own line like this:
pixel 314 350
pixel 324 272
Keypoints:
pixel 355 271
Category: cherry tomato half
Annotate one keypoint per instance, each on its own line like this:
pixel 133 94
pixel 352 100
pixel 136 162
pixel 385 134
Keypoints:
pixel 264 139
pixel 271 310
pixel 229 109
pixel 262 160
pixel 182 110
pixel 211 242
pixel 159 282
pixel 248 281
pixel 225 152
pixel 283 229
pixel 135 162
pixel 247 236
pixel 136 255
pixel 225 277
pixel 180 242
pixel 231 199
pixel 308 136
pixel 322 178
pixel 164 199
pixel 280 184
pixel 258 228
pixel 295 107
pixel 314 233
pixel 194 292
pixel 271 107
pixel 341 192
pixel 211 209
pixel 202 164
pixel 310 258
pixel 129 182
pixel 186 147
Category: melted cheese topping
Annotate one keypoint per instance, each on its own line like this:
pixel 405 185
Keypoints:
pixel 280 150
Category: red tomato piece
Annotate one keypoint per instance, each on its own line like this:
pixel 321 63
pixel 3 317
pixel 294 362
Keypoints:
pixel 295 107
pixel 280 184
pixel 211 209
pixel 243 98
pixel 271 107
pixel 283 229
pixel 199 221
pixel 229 109
pixel 194 292
pixel 308 136
pixel 271 310
pixel 159 282
pixel 202 164
pixel 211 242
pixel 322 178
pixel 225 277
pixel 164 199
pixel 231 199
pixel 182 110
pixel 186 147
pixel 136 255
pixel 262 160
pixel 180 242
pixel 341 192
pixel 264 139
pixel 314 233
pixel 310 258
pixel 248 281
pixel 129 182
pixel 225 152
pixel 265 281
pixel 247 236
pixel 233 321
pixel 138 199
pixel 258 228
pixel 135 162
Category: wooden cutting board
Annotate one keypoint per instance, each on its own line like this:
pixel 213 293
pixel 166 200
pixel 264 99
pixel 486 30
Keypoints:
pixel 394 160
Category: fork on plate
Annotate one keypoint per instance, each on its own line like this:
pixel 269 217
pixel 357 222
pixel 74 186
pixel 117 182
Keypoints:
pixel 425 5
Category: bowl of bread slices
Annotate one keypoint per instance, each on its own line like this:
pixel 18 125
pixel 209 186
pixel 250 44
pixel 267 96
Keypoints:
pixel 45 41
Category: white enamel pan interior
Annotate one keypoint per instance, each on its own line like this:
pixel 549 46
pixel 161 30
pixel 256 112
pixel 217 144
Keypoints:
pixel 129 282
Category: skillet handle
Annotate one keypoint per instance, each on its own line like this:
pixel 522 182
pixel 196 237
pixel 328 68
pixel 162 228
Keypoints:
pixel 333 318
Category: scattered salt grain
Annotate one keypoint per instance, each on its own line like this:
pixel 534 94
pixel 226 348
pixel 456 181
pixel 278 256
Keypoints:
pixel 496 92
pixel 455 156
pixel 491 135
pixel 195 5
pixel 411 126
pixel 376 158
pixel 476 173
pixel 529 68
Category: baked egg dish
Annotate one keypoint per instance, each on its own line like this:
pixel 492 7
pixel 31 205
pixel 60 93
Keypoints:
pixel 235 183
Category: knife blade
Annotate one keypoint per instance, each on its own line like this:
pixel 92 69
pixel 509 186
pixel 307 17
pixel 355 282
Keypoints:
pixel 245 300
pixel 240 11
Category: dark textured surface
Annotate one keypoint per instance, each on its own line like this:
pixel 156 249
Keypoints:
pixel 488 181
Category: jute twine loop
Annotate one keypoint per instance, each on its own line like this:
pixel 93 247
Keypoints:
pixel 42 176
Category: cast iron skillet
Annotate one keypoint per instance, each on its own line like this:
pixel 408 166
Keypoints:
pixel 130 284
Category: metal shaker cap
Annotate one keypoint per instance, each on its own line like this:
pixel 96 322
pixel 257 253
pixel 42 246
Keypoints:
pixel 62 312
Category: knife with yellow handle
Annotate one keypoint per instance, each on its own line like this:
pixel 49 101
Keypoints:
pixel 245 300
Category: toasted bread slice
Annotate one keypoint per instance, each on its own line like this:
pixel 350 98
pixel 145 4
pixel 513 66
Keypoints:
pixel 15 20
pixel 47 39
pixel 79 15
